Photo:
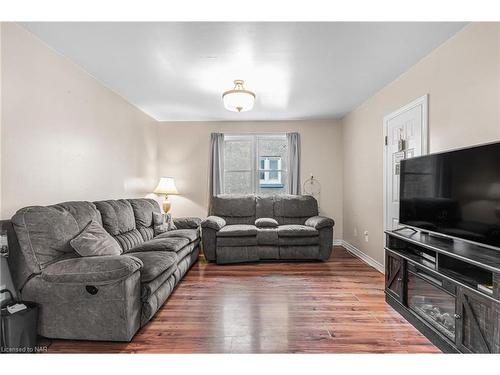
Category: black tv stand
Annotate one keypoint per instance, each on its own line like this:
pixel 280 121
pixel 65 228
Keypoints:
pixel 405 228
pixel 437 235
pixel 448 289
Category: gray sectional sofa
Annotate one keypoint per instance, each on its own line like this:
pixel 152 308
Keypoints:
pixel 249 228
pixel 98 297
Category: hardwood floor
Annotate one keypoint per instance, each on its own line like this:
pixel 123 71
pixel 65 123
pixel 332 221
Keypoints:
pixel 329 307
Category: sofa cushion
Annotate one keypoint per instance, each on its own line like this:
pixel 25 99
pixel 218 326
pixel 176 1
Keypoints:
pixel 143 212
pixel 296 231
pixel 190 234
pixel 91 270
pixel 147 233
pixel 83 212
pixel 118 219
pixel 155 263
pixel 234 209
pixel 174 244
pixel 44 234
pixel 237 230
pixel 233 205
pixel 95 241
pixel 143 209
pixel 264 206
pixel 117 216
pixel 129 239
pixel 294 209
pixel 266 222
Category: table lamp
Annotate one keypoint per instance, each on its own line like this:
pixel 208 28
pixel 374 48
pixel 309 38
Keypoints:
pixel 167 187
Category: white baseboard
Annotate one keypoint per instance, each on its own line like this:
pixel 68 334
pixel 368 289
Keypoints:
pixel 337 242
pixel 361 255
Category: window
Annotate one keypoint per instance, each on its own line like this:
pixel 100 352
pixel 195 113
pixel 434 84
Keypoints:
pixel 255 164
pixel 270 172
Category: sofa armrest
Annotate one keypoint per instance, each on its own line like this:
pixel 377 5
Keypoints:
pixel 209 228
pixel 319 222
pixel 91 270
pixel 188 222
pixel 213 222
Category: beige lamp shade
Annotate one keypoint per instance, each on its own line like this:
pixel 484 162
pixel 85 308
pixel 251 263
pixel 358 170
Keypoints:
pixel 166 186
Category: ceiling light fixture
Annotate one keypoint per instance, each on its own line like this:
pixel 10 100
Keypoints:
pixel 238 99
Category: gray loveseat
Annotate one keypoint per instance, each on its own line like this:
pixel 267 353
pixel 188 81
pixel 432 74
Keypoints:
pixel 249 228
pixel 98 297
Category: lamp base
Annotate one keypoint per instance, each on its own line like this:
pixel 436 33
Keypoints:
pixel 166 205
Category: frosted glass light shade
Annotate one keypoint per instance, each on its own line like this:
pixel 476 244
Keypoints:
pixel 166 186
pixel 238 99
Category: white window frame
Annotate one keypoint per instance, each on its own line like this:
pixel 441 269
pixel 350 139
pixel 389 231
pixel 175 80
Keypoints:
pixel 267 170
pixel 255 172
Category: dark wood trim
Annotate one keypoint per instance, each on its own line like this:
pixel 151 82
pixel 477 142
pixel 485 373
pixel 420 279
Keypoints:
pixel 484 343
pixel 396 273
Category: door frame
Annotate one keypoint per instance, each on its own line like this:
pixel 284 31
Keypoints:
pixel 421 101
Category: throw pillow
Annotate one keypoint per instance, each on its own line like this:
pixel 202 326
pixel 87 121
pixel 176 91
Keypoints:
pixel 266 222
pixel 162 223
pixel 95 241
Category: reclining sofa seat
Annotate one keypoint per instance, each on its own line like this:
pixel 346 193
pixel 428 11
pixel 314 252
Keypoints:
pixel 97 297
pixel 249 228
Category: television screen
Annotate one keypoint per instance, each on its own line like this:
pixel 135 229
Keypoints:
pixel 455 193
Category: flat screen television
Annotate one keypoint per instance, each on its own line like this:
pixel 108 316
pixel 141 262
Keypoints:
pixel 455 193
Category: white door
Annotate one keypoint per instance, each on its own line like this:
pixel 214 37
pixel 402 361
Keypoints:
pixel 405 137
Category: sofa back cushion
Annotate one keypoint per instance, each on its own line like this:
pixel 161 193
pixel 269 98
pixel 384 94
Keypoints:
pixel 244 209
pixel 43 234
pixel 294 209
pixel 83 212
pixel 264 206
pixel 143 212
pixel 235 209
pixel 119 221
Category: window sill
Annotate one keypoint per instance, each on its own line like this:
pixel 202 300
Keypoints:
pixel 271 186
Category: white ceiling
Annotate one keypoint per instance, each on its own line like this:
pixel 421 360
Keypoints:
pixel 178 71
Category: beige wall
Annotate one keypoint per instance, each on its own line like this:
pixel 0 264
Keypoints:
pixel 64 135
pixel 184 148
pixel 5 280
pixel 462 78
pixel 1 122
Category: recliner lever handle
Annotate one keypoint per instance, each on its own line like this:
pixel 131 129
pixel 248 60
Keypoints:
pixel 91 289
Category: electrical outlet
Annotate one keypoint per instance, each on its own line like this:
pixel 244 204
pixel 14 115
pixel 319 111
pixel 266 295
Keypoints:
pixel 366 235
pixel 355 232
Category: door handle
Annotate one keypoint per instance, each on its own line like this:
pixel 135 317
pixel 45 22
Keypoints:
pixel 457 316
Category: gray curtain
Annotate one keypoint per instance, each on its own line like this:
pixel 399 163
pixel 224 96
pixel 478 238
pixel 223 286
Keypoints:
pixel 215 173
pixel 293 140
